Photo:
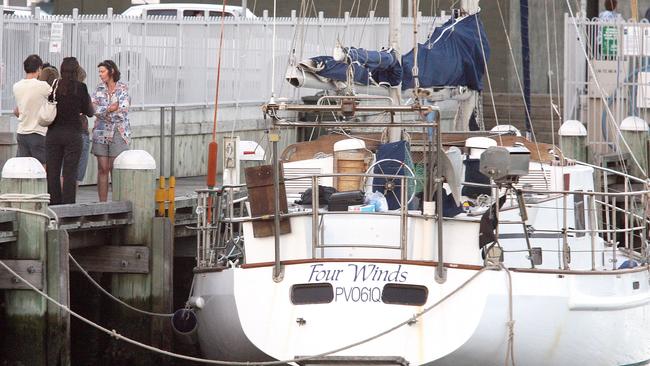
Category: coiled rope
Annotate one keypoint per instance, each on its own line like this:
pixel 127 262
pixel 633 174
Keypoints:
pixel 53 220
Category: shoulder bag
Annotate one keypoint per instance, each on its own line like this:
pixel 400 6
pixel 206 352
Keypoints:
pixel 47 113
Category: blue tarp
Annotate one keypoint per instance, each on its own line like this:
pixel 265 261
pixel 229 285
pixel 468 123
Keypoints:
pixel 452 56
pixel 370 67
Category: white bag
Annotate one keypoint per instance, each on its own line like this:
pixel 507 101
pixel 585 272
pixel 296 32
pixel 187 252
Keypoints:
pixel 47 113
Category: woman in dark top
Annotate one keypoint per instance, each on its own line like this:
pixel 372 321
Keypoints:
pixel 63 140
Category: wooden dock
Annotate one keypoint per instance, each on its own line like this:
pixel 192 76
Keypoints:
pixel 121 241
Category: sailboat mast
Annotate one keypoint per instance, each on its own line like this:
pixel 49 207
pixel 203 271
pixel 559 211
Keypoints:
pixel 394 36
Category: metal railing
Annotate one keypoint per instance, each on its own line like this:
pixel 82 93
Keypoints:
pixel 218 208
pixel 169 61
pixel 615 86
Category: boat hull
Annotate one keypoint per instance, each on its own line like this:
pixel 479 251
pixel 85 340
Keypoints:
pixel 597 319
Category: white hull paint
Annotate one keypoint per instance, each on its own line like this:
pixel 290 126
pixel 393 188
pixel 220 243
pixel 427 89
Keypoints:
pixel 590 319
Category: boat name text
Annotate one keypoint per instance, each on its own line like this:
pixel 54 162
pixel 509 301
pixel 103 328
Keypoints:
pixel 359 273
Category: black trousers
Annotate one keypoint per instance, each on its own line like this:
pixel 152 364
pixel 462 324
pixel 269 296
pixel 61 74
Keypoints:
pixel 63 153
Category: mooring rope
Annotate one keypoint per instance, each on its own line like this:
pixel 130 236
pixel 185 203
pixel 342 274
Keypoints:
pixel 92 280
pixel 30 198
pixel 510 349
pixel 113 333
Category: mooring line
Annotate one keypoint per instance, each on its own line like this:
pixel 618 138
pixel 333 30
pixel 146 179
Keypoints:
pixel 118 336
pixel 92 280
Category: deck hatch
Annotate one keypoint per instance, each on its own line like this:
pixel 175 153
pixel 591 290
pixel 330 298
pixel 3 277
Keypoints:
pixel 312 293
pixel 395 293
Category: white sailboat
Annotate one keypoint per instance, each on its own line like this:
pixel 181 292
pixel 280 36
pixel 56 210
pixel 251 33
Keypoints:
pixel 534 267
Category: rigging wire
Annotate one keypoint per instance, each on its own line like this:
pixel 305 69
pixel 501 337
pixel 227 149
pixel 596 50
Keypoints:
pixel 216 94
pixel 521 89
pixel 551 106
pixel 487 75
pixel 549 73
pixel 557 63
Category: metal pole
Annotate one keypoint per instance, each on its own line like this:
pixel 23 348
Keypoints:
pixel 626 215
pixel 441 271
pixel 277 270
pixel 172 143
pixel 615 241
pixel 644 231
pixel 160 192
pixel 394 36
pixel 565 238
pixel 403 228
pixel 162 142
pixel 592 233
pixel 171 193
pixel 314 215
pixel 524 218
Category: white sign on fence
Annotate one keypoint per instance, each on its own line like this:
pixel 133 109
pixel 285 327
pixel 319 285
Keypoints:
pixel 56 37
pixel 636 41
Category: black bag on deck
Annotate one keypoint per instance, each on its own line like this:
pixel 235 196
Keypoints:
pixel 340 201
pixel 324 193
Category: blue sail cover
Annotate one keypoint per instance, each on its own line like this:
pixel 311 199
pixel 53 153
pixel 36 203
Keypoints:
pixel 369 67
pixel 452 56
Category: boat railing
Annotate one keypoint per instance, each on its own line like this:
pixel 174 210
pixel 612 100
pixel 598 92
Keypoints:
pixel 595 213
pixel 217 208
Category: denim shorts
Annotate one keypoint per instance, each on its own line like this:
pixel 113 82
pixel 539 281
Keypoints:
pixel 113 148
pixel 83 160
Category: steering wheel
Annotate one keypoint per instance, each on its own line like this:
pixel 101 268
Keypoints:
pixel 391 184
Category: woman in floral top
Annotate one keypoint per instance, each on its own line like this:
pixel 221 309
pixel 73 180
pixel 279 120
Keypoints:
pixel 112 131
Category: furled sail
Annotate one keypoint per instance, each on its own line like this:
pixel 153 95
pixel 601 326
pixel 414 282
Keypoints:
pixel 452 56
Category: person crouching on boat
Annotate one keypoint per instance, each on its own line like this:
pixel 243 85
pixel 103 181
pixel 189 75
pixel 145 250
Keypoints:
pixel 112 131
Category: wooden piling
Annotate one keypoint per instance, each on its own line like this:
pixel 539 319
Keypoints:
pixel 24 341
pixel 635 132
pixel 162 254
pixel 58 287
pixel 573 140
pixel 134 180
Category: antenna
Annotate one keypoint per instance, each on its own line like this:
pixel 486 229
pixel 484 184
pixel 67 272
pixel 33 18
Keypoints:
pixel 272 101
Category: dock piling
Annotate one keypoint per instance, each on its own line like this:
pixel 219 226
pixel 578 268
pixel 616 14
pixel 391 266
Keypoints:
pixel 25 310
pixel 134 180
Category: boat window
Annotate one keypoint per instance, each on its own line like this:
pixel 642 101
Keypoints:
pixel 395 293
pixel 579 212
pixel 312 293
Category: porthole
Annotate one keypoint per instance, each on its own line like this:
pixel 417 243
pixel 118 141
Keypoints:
pixel 312 293
pixel 401 294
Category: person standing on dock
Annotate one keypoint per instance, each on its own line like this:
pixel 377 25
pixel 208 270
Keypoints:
pixel 48 74
pixel 85 137
pixel 31 94
pixel 112 131
pixel 63 140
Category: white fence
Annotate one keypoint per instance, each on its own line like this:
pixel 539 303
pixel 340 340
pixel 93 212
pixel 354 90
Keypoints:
pixel 619 53
pixel 172 61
